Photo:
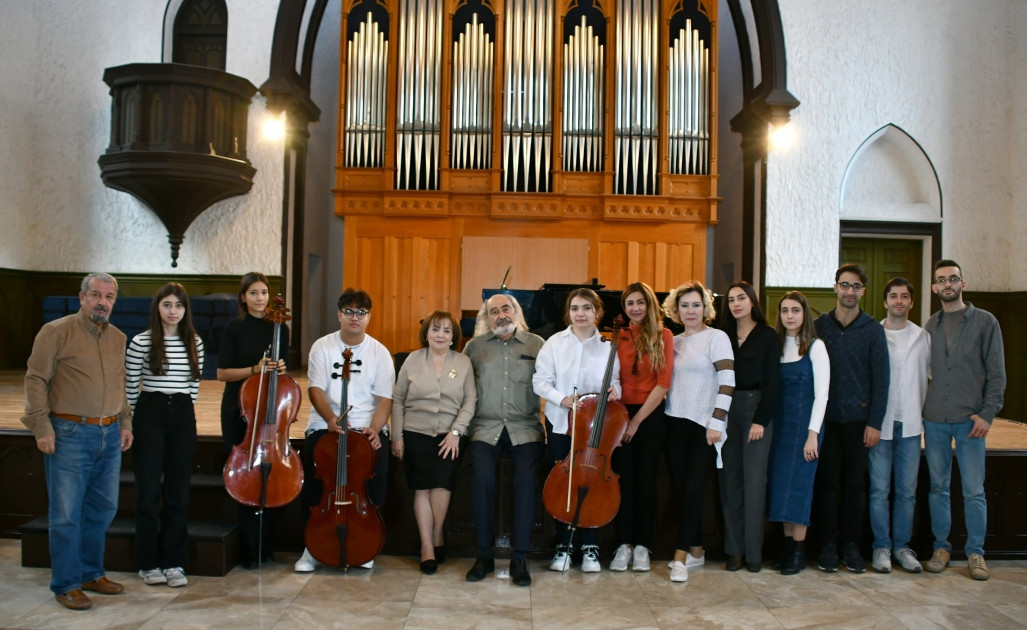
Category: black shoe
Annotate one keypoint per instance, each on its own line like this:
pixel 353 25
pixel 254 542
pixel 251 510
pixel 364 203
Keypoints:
pixel 853 560
pixel 440 554
pixel 267 556
pixel 828 560
pixel 250 565
pixel 481 568
pixel 795 558
pixel 734 563
pixel 519 573
pixel 754 567
pixel 429 567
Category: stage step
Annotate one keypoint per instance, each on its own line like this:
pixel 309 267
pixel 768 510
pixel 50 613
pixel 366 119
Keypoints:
pixel 213 547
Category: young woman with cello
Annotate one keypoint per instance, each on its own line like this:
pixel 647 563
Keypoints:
pixel 571 363
pixel 646 355
pixel 243 353
pixel 697 406
pixel 162 379
pixel 368 397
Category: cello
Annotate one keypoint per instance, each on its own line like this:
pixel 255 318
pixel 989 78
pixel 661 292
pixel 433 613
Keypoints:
pixel 344 528
pixel 582 490
pixel 263 470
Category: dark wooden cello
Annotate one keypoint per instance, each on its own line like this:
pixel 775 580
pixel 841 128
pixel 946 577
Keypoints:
pixel 344 529
pixel 263 470
pixel 582 490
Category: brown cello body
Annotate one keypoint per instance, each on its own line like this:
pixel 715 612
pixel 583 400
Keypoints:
pixel 345 528
pixel 263 470
pixel 590 471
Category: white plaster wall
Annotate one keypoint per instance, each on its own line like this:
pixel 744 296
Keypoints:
pixel 60 216
pixel 946 73
pixel 1018 152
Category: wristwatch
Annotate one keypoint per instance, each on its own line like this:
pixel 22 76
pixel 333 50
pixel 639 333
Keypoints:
pixel 455 432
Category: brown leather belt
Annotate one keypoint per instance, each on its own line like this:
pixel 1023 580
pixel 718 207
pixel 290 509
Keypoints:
pixel 84 420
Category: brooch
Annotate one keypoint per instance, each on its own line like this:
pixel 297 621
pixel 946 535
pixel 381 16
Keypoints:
pixel 452 374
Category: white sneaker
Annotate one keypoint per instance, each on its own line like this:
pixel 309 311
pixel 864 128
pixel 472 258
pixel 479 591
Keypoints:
pixel 881 561
pixel 152 576
pixel 368 565
pixel 621 558
pixel 907 560
pixel 678 571
pixel 692 562
pixel 175 577
pixel 561 560
pixel 590 559
pixel 640 561
pixel 306 563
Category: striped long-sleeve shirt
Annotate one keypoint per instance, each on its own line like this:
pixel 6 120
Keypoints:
pixel 177 377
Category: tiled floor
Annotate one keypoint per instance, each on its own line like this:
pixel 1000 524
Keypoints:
pixel 395 595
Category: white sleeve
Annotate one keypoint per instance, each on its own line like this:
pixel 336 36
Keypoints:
pixel 543 381
pixel 317 368
pixel 385 373
pixel 821 383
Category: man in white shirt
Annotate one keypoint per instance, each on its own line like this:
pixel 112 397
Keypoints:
pixel 897 456
pixel 372 375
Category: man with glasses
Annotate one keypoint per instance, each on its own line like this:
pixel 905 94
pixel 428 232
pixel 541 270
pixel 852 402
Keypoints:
pixel 369 397
pixel 76 408
pixel 968 381
pixel 856 403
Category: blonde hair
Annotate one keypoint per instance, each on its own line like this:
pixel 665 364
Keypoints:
pixel 670 304
pixel 650 341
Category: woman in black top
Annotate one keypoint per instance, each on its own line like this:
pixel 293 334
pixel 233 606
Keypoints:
pixel 743 479
pixel 243 345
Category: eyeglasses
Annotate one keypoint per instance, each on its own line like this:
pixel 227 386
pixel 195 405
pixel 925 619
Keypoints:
pixel 845 286
pixel 950 280
pixel 358 314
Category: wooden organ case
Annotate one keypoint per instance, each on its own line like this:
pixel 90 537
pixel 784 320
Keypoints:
pixel 568 140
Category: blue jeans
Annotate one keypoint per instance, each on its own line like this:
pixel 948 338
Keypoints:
pixel 82 480
pixel 938 438
pixel 893 461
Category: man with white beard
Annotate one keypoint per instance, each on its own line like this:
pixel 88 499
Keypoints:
pixel 503 353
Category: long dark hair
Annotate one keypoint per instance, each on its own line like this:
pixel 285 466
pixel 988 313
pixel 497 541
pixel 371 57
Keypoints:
pixel 730 324
pixel 807 333
pixel 245 283
pixel 158 359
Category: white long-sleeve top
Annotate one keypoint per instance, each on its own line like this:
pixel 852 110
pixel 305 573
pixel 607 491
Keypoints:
pixel 177 378
pixel 821 376
pixel 695 387
pixel 565 363
pixel 909 356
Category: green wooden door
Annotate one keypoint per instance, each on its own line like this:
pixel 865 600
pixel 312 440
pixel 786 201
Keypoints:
pixel 883 259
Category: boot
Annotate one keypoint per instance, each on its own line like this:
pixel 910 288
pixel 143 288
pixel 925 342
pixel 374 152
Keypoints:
pixel 797 560
pixel 777 564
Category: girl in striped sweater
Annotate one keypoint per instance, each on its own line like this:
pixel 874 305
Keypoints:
pixel 162 368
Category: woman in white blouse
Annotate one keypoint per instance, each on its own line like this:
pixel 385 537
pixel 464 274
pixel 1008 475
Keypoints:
pixel 798 420
pixel 697 406
pixel 431 407
pixel 572 363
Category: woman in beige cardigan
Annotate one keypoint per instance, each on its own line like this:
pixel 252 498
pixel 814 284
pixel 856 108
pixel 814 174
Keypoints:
pixel 431 408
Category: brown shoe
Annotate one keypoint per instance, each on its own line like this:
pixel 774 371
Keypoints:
pixel 74 599
pixel 978 570
pixel 938 561
pixel 103 585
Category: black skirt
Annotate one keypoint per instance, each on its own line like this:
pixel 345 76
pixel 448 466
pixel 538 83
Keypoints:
pixel 425 469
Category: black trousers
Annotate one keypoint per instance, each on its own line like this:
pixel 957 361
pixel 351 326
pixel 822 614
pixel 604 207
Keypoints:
pixel 841 479
pixel 163 453
pixel 690 460
pixel 638 464
pixel 484 461
pixel 743 480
